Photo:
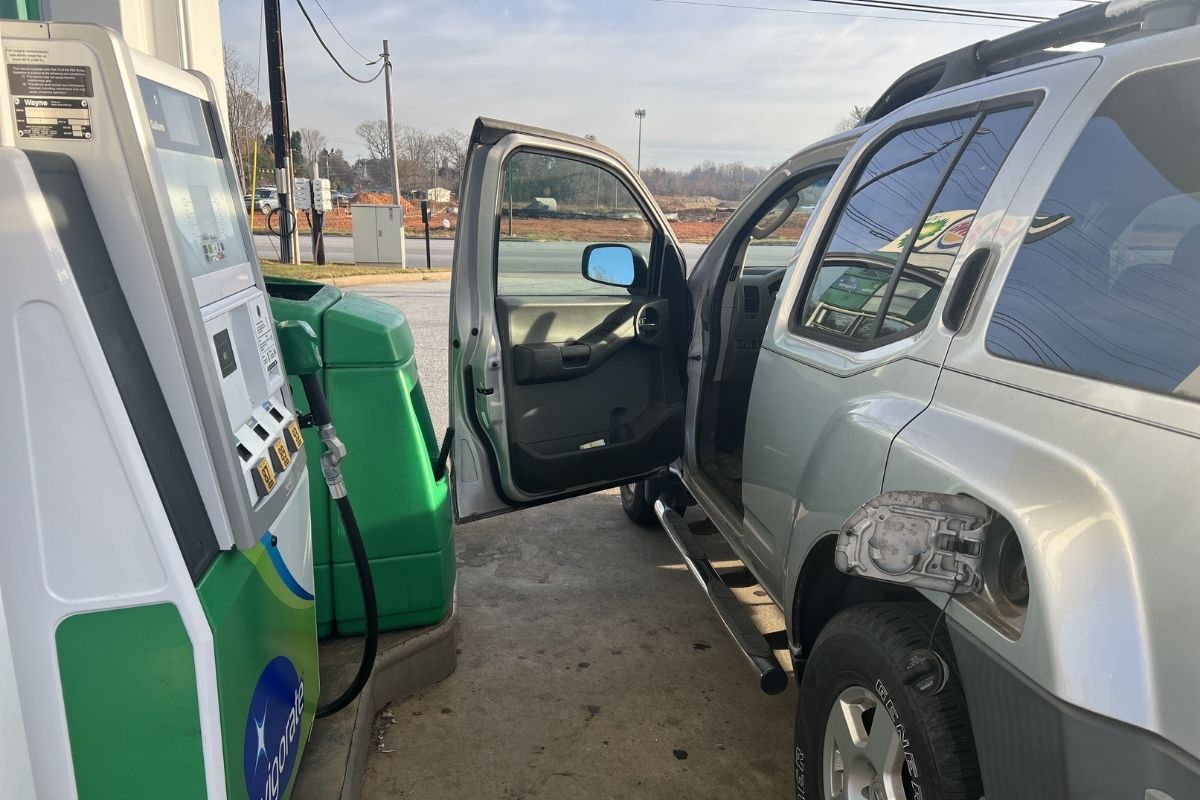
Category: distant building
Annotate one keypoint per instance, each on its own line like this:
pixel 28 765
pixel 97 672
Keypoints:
pixel 439 194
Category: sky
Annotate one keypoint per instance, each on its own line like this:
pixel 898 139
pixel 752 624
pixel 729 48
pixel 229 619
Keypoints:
pixel 717 83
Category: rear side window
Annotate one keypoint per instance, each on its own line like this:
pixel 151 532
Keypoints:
pixel 901 228
pixel 1107 283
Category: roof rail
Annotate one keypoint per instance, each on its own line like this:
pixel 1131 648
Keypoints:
pixel 1099 23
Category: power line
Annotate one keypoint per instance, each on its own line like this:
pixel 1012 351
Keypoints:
pixel 863 4
pixel 329 52
pixel 338 31
pixel 925 8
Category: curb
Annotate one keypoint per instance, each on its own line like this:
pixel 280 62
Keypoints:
pixel 402 670
pixel 334 762
pixel 384 277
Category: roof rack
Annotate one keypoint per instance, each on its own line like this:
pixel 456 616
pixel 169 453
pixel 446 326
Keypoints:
pixel 1103 23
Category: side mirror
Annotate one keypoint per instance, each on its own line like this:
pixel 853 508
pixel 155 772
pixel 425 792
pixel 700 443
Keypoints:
pixel 611 264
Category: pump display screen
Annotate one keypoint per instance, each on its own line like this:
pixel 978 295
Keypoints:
pixel 202 196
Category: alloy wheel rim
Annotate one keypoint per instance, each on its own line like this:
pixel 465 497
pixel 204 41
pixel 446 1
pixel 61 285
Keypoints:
pixel 862 757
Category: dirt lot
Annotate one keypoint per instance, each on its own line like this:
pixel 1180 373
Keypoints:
pixel 545 228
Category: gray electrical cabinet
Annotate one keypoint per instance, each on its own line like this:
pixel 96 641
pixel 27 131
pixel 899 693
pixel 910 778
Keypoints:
pixel 378 234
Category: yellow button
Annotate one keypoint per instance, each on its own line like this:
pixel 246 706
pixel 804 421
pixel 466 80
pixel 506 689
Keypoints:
pixel 266 476
pixel 281 453
pixel 295 439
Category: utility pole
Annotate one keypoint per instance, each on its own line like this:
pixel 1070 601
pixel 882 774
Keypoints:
pixel 281 133
pixel 640 113
pixel 391 124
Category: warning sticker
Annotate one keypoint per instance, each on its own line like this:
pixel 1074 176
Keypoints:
pixel 53 118
pixel 50 80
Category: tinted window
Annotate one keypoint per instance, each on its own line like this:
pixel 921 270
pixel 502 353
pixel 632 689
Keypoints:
pixel 1107 283
pixel 553 208
pixel 860 273
pixel 943 231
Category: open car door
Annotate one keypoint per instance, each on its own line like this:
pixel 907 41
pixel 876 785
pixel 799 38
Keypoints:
pixel 568 325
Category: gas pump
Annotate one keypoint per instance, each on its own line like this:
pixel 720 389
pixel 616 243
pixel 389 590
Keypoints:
pixel 157 630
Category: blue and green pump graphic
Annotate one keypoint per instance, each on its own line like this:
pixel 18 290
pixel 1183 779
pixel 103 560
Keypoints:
pixel 129 684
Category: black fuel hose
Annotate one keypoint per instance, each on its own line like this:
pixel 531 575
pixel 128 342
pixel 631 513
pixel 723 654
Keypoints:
pixel 331 459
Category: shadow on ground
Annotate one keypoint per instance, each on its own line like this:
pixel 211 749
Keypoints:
pixel 589 666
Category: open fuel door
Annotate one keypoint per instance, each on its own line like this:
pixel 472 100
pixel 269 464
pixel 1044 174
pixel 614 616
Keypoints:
pixel 568 323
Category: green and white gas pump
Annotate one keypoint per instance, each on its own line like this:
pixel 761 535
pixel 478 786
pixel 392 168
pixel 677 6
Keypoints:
pixel 157 630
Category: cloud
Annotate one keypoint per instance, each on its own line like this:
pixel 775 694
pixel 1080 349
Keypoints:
pixel 719 84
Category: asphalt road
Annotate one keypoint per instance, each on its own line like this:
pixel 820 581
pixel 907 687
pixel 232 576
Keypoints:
pixel 590 665
pixel 539 256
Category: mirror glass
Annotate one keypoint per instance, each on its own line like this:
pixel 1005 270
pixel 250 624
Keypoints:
pixel 611 264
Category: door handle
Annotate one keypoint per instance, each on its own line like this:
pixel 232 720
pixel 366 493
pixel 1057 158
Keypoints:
pixel 959 300
pixel 575 355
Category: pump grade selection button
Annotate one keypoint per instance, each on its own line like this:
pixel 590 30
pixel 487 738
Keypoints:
pixel 281 459
pixel 294 439
pixel 264 477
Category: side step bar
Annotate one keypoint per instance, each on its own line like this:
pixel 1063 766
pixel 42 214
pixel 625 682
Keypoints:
pixel 772 678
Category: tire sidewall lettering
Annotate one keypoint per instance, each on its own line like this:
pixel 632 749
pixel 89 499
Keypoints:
pixel 910 760
pixel 801 789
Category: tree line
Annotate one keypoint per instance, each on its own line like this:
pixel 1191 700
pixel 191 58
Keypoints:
pixel 731 181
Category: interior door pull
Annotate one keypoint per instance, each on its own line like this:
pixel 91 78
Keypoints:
pixel 575 355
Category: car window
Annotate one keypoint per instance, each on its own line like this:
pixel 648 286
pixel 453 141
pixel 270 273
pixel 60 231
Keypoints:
pixel 1107 282
pixel 876 280
pixel 553 208
pixel 940 236
pixel 773 238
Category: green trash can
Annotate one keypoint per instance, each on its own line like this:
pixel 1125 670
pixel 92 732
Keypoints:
pixel 370 378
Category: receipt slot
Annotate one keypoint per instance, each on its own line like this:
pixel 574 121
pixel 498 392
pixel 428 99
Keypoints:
pixel 157 632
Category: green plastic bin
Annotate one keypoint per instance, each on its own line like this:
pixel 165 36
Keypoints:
pixel 370 378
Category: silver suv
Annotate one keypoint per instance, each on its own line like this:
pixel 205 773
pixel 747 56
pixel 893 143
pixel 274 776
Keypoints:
pixel 952 432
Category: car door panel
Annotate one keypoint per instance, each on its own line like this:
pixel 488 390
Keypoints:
pixel 560 383
pixel 579 374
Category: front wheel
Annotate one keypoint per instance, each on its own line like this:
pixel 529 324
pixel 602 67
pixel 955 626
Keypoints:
pixel 861 732
pixel 636 505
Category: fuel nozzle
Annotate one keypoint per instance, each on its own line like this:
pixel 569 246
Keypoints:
pixel 302 358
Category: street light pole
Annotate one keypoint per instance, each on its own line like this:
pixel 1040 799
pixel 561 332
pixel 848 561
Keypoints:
pixel 640 113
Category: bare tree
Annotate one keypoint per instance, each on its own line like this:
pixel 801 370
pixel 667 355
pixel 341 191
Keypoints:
pixel 248 116
pixel 312 145
pixel 853 119
pixel 374 133
pixel 450 155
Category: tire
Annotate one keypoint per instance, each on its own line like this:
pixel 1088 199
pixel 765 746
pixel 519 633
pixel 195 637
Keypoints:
pixel 636 505
pixel 856 666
